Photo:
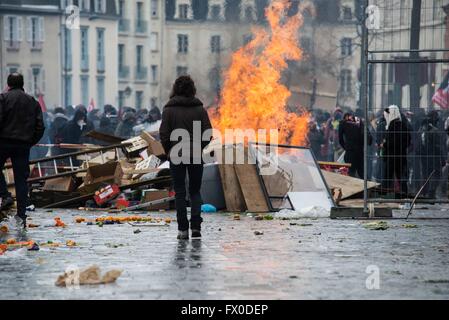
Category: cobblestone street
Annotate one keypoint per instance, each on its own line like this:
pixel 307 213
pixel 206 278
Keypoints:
pixel 292 259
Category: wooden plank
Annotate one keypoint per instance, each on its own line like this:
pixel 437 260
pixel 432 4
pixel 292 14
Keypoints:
pixel 250 185
pixel 349 186
pixel 232 193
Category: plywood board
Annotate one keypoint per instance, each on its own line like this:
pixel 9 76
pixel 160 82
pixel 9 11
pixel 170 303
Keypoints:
pixel 252 190
pixel 349 185
pixel 233 194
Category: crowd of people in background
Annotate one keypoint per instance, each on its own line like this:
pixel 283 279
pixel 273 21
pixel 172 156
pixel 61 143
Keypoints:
pixel 404 148
pixel 71 124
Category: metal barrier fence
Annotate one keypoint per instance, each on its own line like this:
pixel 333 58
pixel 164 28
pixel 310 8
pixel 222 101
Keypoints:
pixel 405 46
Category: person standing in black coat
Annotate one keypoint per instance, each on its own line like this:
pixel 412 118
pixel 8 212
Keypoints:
pixel 350 134
pixel 21 127
pixel 433 152
pixel 185 113
pixel 396 141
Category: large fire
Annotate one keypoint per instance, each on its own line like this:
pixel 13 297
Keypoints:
pixel 253 96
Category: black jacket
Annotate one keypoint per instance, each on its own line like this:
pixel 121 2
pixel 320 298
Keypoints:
pixel 397 138
pixel 180 113
pixel 350 135
pixel 55 131
pixel 21 120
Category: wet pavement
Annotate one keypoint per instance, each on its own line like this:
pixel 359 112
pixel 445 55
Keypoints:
pixel 292 259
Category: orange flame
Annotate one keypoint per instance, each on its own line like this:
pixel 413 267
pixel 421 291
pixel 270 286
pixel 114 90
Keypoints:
pixel 253 96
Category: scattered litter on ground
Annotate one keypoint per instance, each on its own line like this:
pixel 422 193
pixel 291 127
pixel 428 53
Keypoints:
pixel 70 243
pixel 376 225
pixel 137 231
pixel 89 276
pixel 268 217
pixel 309 212
pixel 237 216
pixel 59 222
pixel 4 229
pixel 258 233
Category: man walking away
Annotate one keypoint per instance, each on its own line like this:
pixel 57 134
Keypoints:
pixel 21 127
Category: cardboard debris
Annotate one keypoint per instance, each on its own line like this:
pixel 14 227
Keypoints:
pixel 151 195
pixel 154 146
pixel 63 184
pixel 89 276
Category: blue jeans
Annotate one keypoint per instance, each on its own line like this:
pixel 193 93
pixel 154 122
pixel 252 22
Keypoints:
pixel 178 173
pixel 19 157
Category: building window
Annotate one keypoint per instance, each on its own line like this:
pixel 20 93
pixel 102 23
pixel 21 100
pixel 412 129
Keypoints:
pixel 154 8
pixel 346 47
pixel 437 9
pixel 140 23
pixel 100 92
pixel 68 91
pixel 68 49
pixel 139 57
pixel 121 56
pixel 215 12
pixel 181 71
pixel 36 81
pixel 12 31
pixel 183 11
pixel 100 6
pixel 121 99
pixel 154 41
pixel 139 99
pixel 84 48
pixel 84 5
pixel 402 12
pixel 215 44
pixel 154 74
pixel 100 50
pixel 345 81
pixel 347 13
pixel 183 43
pixel 85 90
pixel 35 32
pixel 121 8
pixel 66 3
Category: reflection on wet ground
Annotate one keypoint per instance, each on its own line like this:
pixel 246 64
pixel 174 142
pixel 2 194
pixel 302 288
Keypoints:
pixel 306 259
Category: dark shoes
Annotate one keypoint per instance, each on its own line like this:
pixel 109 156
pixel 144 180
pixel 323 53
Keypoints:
pixel 196 234
pixel 21 219
pixel 6 203
pixel 183 235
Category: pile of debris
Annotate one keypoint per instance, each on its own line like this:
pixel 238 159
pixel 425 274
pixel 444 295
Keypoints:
pixel 119 175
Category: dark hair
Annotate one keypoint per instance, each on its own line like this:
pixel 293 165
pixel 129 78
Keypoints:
pixel 184 86
pixel 59 110
pixel 15 80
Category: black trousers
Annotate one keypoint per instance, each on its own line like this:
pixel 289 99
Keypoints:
pixel 178 173
pixel 396 167
pixel 355 158
pixel 20 156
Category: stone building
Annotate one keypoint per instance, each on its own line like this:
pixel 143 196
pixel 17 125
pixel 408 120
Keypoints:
pixel 29 44
pixel 140 52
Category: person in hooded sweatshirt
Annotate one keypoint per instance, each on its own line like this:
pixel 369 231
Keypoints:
pixel 55 131
pixel 396 141
pixel 186 114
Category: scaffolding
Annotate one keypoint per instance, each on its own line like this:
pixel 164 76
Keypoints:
pixel 405 59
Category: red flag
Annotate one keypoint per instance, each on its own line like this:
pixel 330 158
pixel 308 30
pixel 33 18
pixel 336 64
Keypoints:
pixel 91 106
pixel 441 97
pixel 42 103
